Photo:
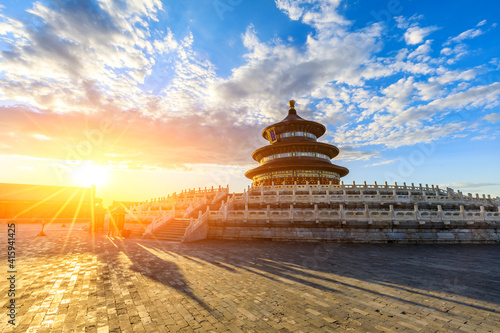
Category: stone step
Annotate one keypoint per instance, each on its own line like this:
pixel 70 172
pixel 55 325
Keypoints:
pixel 168 239
pixel 159 231
pixel 170 231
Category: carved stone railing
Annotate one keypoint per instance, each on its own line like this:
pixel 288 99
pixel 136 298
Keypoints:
pixel 198 228
pixel 222 194
pixel 166 217
pixel 195 206
pixel 323 215
pixel 426 193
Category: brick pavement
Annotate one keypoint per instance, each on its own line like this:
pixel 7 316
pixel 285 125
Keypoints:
pixel 73 282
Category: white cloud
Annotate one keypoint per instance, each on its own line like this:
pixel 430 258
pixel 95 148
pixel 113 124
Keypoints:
pixel 468 34
pixel 382 162
pixel 492 118
pixel 483 137
pixel 414 34
pixel 468 185
pixel 104 59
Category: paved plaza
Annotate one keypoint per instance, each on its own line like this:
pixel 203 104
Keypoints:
pixel 70 281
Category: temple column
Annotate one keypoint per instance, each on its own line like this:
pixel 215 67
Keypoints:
pixel 291 214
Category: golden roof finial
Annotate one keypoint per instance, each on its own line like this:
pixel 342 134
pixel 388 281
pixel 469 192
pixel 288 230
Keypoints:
pixel 292 104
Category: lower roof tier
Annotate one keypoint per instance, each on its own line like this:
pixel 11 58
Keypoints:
pixel 297 164
pixel 297 177
pixel 316 147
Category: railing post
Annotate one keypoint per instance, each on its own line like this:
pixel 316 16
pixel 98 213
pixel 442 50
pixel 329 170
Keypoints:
pixel 316 213
pixel 246 213
pixel 268 214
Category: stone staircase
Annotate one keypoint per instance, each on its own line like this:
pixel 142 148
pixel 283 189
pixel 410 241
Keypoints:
pixel 172 228
pixel 173 231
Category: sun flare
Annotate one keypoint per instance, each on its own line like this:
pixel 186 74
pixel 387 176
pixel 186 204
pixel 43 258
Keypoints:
pixel 90 174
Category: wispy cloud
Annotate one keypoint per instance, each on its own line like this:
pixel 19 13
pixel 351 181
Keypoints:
pixel 70 66
pixel 492 118
pixel 414 34
pixel 468 185
pixel 382 163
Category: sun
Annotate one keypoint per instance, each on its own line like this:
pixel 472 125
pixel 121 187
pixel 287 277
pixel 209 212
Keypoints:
pixel 90 174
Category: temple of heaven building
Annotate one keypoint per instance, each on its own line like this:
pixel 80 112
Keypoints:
pixel 295 155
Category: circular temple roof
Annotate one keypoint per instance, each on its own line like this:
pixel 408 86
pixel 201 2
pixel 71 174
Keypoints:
pixel 293 164
pixel 294 122
pixel 317 147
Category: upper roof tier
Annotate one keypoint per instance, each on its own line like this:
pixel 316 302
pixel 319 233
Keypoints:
pixel 294 123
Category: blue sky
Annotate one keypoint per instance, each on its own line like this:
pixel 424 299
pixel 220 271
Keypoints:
pixel 172 94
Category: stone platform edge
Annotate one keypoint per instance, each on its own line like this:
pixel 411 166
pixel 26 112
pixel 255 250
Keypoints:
pixel 478 233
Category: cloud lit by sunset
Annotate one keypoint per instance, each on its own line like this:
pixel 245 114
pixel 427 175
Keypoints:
pixel 156 96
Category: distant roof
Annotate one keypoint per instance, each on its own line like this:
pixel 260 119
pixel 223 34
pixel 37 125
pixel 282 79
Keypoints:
pixel 29 192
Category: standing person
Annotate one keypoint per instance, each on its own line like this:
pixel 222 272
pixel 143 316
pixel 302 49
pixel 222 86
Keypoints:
pixel 112 222
pixel 99 215
pixel 120 220
pixel 117 220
